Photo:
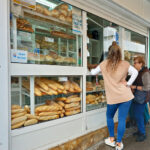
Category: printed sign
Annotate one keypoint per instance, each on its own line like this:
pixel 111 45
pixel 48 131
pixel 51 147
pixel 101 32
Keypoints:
pixel 63 79
pixel 27 3
pixel 18 56
pixel 76 21
pixel 47 39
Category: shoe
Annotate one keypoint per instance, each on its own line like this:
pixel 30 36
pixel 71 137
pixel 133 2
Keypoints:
pixel 141 138
pixel 109 142
pixel 136 133
pixel 119 147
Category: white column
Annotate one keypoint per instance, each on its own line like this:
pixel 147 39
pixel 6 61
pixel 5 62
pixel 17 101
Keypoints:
pixel 5 114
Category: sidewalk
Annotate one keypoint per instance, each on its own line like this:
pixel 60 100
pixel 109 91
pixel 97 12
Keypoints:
pixel 129 142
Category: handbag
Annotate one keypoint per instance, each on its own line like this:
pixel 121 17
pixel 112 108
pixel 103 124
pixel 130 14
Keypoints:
pixel 139 96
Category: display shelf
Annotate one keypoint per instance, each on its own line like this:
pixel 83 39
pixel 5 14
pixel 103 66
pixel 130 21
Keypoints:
pixel 102 90
pixel 36 15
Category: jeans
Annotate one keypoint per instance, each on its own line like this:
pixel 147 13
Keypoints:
pixel 123 109
pixel 139 116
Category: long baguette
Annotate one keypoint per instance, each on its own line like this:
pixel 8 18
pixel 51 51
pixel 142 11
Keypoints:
pixel 30 122
pixel 15 111
pixel 19 119
pixel 43 118
pixel 30 116
pixel 73 108
pixel 17 125
pixel 15 107
pixel 68 113
pixel 71 105
pixel 41 84
pixel 74 99
pixel 18 115
pixel 49 113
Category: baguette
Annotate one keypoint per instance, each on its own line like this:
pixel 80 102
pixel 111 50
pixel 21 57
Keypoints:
pixel 17 125
pixel 27 108
pixel 47 108
pixel 68 113
pixel 61 103
pixel 73 108
pixel 15 107
pixel 19 119
pixel 44 118
pixel 62 115
pixel 49 113
pixel 17 115
pixel 15 111
pixel 49 84
pixel 71 105
pixel 30 116
pixel 41 84
pixel 30 122
pixel 73 99
pixel 61 99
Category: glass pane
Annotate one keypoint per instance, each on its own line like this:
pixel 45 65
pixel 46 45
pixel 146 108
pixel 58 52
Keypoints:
pixel 53 97
pixel 49 34
pixel 95 93
pixel 134 45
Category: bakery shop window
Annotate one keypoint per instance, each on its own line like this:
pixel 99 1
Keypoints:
pixel 39 99
pixel 49 32
pixel 95 93
pixel 134 45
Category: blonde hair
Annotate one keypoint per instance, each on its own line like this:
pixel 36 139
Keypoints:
pixel 114 57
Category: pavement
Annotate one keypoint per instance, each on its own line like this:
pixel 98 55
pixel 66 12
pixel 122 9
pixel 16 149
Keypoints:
pixel 129 141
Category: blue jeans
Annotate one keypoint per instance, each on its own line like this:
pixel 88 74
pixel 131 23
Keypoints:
pixel 123 109
pixel 139 116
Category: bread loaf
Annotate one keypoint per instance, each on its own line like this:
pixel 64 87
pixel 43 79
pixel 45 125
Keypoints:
pixel 71 105
pixel 50 84
pixel 73 108
pixel 30 116
pixel 62 115
pixel 47 108
pixel 18 115
pixel 41 84
pixel 44 118
pixel 27 108
pixel 68 113
pixel 15 107
pixel 17 125
pixel 61 103
pixel 19 119
pixel 39 8
pixel 73 99
pixel 30 122
pixel 15 111
pixel 49 113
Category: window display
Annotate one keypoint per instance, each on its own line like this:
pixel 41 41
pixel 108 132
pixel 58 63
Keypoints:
pixel 95 93
pixel 54 97
pixel 49 34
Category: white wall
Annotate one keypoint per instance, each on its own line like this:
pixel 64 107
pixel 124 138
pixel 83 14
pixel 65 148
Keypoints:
pixel 139 7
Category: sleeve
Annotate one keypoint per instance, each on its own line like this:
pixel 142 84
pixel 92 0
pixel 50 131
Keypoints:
pixel 96 70
pixel 146 81
pixel 134 73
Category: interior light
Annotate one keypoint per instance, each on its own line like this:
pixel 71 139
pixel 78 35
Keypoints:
pixel 47 3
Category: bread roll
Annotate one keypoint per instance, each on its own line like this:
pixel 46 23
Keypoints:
pixel 17 115
pixel 73 108
pixel 61 99
pixel 49 113
pixel 73 99
pixel 30 116
pixel 44 118
pixel 41 84
pixel 27 108
pixel 15 107
pixel 19 119
pixel 15 111
pixel 30 122
pixel 68 113
pixel 17 125
pixel 61 103
pixel 55 13
pixel 71 105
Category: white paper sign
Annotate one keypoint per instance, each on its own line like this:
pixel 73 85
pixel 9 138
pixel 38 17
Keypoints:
pixel 47 39
pixel 76 21
pixel 27 3
pixel 18 56
pixel 63 79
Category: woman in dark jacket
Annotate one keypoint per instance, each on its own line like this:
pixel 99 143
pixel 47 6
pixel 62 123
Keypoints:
pixel 141 88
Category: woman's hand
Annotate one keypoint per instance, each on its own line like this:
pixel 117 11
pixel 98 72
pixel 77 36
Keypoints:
pixel 140 88
pixel 124 83
pixel 133 87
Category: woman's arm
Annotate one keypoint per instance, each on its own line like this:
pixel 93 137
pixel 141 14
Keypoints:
pixel 96 70
pixel 134 73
